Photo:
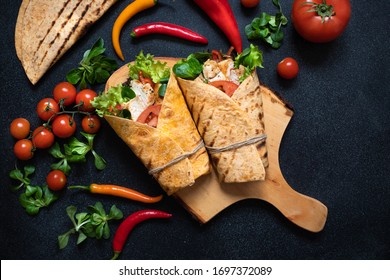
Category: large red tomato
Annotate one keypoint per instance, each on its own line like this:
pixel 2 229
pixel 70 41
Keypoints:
pixel 320 21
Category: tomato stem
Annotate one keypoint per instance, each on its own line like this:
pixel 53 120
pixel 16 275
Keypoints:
pixel 324 10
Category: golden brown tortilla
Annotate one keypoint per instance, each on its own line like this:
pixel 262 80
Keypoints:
pixel 175 121
pixel 46 29
pixel 248 97
pixel 222 122
pixel 155 149
pixel 174 136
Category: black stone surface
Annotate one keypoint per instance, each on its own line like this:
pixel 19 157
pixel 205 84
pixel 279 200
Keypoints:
pixel 336 148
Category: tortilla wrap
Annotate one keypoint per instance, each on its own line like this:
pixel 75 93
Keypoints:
pixel 224 121
pixel 46 29
pixel 248 97
pixel 175 136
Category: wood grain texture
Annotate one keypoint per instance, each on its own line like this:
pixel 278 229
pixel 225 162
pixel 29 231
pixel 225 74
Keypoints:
pixel 208 197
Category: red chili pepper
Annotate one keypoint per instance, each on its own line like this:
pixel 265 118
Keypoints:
pixel 129 223
pixel 222 15
pixel 168 29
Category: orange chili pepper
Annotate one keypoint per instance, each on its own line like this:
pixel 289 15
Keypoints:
pixel 119 191
pixel 131 10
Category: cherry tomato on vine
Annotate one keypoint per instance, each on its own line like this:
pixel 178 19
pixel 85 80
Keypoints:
pixel 64 126
pixel 320 21
pixel 56 180
pixel 42 138
pixel 65 91
pixel 91 124
pixel 23 149
pixel 249 3
pixel 288 68
pixel 46 108
pixel 20 128
pixel 84 98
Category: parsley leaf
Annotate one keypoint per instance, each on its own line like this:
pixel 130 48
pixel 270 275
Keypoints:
pixel 94 68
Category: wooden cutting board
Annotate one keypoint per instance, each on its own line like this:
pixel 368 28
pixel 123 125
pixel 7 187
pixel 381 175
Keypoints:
pixel 207 197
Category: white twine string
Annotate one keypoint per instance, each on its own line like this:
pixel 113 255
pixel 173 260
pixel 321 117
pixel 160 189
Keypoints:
pixel 250 141
pixel 176 160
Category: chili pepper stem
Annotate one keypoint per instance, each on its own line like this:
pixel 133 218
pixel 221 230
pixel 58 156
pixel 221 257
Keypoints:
pixel 87 188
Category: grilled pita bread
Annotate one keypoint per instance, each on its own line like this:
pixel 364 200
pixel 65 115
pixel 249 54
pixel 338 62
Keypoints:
pixel 174 136
pixel 46 29
pixel 223 121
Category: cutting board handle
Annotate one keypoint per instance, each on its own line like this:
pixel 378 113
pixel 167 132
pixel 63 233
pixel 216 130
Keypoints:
pixel 302 210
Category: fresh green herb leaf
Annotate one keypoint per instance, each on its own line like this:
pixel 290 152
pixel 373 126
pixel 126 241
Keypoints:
pixel 30 190
pixel 115 213
pixel 92 224
pixel 188 68
pixel 35 198
pixel 162 89
pixel 63 239
pixel 71 212
pixel 76 147
pixel 150 68
pixel 268 27
pixel 55 151
pixel 28 170
pixel 94 68
pixel 16 174
pixel 63 164
pixel 75 151
pixel 74 76
pixel 22 176
pixel 81 237
pixel 100 163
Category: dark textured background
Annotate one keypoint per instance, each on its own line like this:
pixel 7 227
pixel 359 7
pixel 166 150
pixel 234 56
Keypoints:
pixel 336 148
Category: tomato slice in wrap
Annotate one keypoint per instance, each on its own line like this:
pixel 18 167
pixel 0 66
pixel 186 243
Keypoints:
pixel 150 115
pixel 226 86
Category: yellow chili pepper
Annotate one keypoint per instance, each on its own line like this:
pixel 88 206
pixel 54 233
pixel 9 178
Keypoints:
pixel 131 10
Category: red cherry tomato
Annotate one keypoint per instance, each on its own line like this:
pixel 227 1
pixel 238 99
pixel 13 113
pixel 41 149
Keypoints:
pixel 288 68
pixel 320 21
pixel 23 149
pixel 46 108
pixel 91 124
pixel 249 3
pixel 84 98
pixel 20 128
pixel 65 91
pixel 42 138
pixel 56 180
pixel 64 126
